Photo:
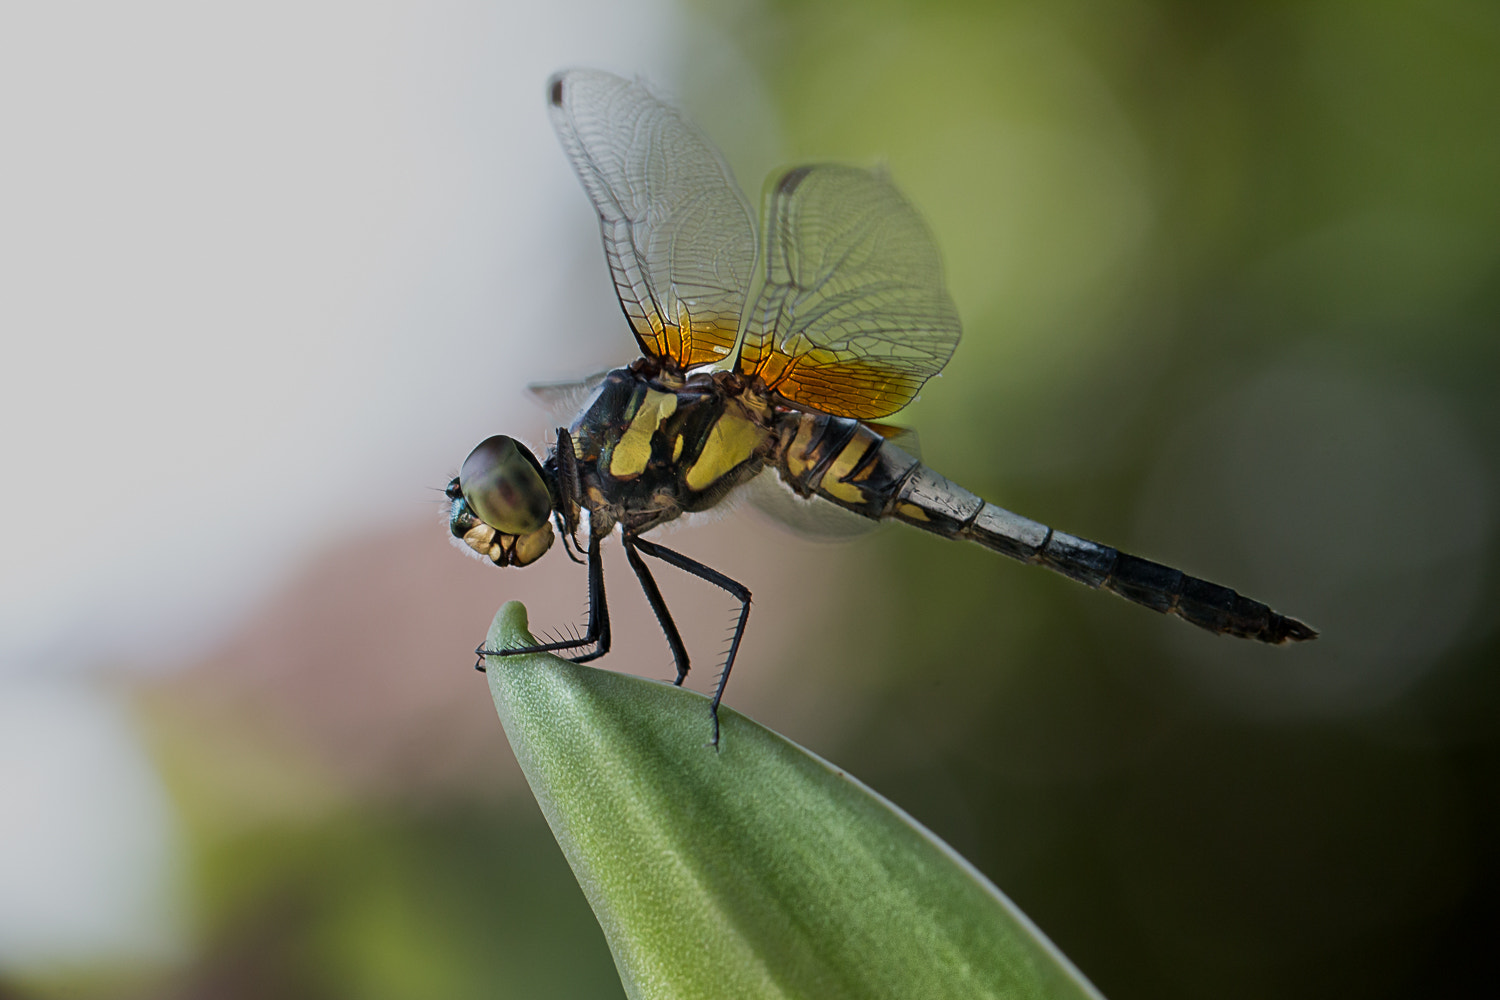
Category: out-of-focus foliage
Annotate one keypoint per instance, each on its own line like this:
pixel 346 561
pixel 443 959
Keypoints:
pixel 1230 277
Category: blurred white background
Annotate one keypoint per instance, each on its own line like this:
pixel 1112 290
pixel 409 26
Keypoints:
pixel 265 271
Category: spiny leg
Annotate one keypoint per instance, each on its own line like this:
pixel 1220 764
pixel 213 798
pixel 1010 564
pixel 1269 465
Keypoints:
pixel 597 634
pixel 713 576
pixel 659 607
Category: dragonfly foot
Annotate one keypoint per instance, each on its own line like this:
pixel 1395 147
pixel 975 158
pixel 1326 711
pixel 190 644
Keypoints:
pixel 713 714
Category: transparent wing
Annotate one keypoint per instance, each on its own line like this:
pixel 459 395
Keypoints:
pixel 854 314
pixel 565 400
pixel 904 438
pixel 812 518
pixel 678 233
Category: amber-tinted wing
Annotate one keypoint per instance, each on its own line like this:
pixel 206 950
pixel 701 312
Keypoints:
pixel 678 233
pixel 853 315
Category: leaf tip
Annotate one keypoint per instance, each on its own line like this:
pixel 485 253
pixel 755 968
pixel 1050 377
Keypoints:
pixel 509 627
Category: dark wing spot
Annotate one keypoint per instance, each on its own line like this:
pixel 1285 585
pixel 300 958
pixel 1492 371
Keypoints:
pixel 555 92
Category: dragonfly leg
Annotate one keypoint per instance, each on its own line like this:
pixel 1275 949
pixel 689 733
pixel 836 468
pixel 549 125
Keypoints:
pixel 597 634
pixel 659 607
pixel 713 576
pixel 569 487
pixel 569 547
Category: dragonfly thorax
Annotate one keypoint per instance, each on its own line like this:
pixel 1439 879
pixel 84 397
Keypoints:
pixel 652 445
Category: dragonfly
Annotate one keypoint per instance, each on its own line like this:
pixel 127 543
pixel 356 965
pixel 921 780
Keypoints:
pixel 766 351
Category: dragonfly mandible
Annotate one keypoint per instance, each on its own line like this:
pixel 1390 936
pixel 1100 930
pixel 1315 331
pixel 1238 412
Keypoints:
pixel 762 355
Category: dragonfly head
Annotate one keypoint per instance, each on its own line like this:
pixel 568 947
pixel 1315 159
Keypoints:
pixel 500 504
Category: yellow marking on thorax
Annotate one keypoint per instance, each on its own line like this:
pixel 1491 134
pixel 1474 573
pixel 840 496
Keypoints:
pixel 732 440
pixel 677 448
pixel 633 450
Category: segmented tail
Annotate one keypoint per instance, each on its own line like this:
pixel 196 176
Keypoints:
pixel 853 466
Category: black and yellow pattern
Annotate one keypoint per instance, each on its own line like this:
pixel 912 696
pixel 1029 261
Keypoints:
pixel 852 465
pixel 652 447
pixel 758 356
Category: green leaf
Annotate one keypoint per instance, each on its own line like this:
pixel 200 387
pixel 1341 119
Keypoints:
pixel 757 870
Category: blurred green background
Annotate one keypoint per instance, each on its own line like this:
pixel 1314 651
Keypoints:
pixel 1230 280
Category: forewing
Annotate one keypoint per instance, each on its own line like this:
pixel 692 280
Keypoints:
pixel 678 233
pixel 854 314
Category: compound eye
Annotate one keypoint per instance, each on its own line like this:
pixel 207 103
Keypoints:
pixel 501 483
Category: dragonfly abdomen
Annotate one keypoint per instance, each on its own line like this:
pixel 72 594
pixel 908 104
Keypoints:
pixel 841 460
pixel 929 500
pixel 850 464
